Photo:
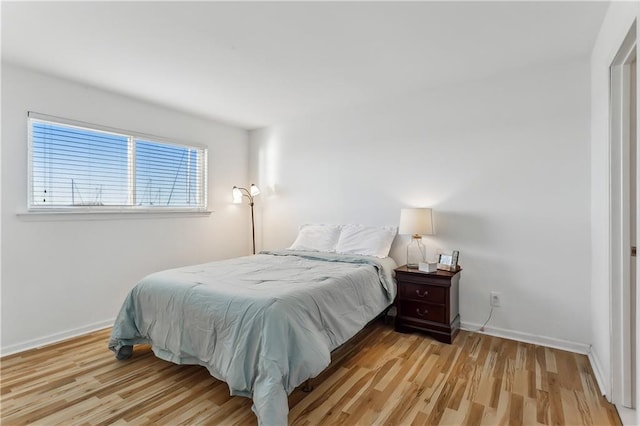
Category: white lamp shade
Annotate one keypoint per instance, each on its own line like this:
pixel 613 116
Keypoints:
pixel 254 190
pixel 237 195
pixel 416 222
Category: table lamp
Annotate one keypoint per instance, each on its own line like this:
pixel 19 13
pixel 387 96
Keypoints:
pixel 415 222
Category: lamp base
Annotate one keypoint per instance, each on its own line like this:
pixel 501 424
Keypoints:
pixel 415 252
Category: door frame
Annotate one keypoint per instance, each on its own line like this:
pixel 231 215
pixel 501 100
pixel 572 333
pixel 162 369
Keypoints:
pixel 621 384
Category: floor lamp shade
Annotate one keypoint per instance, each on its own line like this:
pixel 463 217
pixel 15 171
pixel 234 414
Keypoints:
pixel 237 195
pixel 415 222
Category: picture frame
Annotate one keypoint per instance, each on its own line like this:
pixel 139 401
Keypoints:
pixel 448 261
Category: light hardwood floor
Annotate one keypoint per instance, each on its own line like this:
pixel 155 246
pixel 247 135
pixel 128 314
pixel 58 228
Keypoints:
pixel 380 377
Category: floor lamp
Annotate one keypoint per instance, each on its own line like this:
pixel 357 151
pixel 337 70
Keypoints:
pixel 238 194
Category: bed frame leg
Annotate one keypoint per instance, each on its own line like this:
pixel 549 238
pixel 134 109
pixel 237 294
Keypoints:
pixel 307 386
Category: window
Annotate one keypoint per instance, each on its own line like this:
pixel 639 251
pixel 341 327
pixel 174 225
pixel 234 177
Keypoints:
pixel 86 167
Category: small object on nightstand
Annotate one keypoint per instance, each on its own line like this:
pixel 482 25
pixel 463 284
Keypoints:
pixel 428 302
pixel 449 262
pixel 428 266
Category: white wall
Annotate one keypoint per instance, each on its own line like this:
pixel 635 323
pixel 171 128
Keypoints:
pixel 504 163
pixel 63 277
pixel 615 27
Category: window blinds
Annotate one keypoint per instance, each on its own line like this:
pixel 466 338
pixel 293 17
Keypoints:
pixel 93 168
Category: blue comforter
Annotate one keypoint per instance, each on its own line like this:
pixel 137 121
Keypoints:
pixel 264 324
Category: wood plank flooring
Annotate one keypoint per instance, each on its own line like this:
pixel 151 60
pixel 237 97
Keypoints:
pixel 381 377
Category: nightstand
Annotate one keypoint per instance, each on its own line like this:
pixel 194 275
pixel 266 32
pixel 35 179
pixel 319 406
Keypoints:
pixel 428 302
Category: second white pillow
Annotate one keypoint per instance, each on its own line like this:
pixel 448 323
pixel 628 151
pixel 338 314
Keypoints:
pixel 366 240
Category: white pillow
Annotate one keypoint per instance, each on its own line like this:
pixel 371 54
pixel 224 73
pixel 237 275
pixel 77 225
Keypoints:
pixel 365 240
pixel 317 238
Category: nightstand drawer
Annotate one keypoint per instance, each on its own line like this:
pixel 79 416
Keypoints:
pixel 422 311
pixel 422 292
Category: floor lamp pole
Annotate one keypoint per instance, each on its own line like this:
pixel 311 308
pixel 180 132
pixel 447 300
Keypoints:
pixel 253 229
pixel 238 195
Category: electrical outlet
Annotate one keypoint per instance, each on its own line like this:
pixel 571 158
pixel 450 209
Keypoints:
pixel 496 299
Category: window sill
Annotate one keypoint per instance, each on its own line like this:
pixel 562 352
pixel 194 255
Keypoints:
pixel 74 215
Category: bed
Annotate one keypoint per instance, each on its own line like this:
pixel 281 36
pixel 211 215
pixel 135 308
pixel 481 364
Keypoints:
pixel 264 324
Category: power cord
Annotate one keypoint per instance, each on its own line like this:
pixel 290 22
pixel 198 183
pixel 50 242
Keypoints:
pixel 487 321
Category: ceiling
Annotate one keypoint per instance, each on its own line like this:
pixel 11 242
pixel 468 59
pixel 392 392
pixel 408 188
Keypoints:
pixel 255 64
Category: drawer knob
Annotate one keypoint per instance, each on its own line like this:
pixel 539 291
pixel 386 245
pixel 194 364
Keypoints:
pixel 425 312
pixel 425 294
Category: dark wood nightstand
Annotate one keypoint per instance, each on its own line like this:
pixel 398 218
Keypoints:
pixel 428 302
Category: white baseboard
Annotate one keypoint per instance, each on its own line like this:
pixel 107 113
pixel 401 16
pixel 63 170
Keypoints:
pixel 565 345
pixel 55 338
pixel 597 371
